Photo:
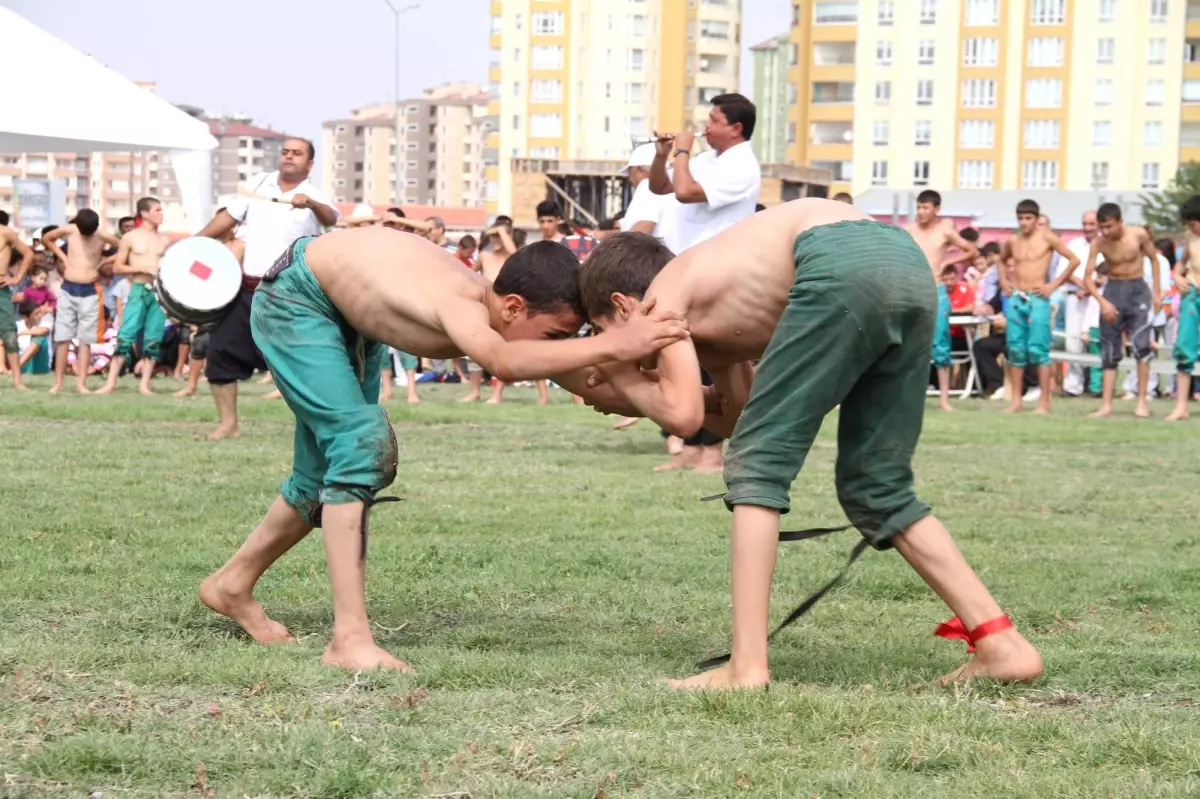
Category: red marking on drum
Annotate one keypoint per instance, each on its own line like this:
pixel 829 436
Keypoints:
pixel 201 271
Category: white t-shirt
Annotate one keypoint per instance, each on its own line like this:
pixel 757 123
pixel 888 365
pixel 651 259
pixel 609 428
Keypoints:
pixel 269 228
pixel 24 339
pixel 1164 284
pixel 1080 248
pixel 646 206
pixel 731 184
pixel 1091 314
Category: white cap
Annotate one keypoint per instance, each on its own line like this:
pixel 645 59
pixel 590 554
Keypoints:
pixel 643 155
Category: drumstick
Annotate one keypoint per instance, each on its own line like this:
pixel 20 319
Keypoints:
pixel 251 195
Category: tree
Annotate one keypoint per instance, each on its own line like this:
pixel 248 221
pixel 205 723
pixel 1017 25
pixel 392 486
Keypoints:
pixel 1160 209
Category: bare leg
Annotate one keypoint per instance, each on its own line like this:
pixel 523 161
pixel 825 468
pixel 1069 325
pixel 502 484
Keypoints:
pixel 686 459
pixel 754 546
pixel 497 394
pixel 674 445
pixel 230 590
pixel 711 461
pixel 543 392
pixel 385 383
pixel 1183 391
pixel 14 365
pixel 626 421
pixel 182 360
pixel 1143 386
pixel 60 365
pixel 1045 383
pixel 114 374
pixel 1108 383
pixel 476 379
pixel 147 373
pixel 225 395
pixel 413 398
pixel 353 646
pixel 195 369
pixel 266 379
pixel 1005 656
pixel 944 387
pixel 83 365
pixel 1016 375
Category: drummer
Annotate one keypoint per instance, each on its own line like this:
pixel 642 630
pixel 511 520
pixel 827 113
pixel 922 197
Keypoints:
pixel 200 335
pixel 268 228
pixel 138 256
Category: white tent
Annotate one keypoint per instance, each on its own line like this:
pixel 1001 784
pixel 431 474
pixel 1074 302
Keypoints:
pixel 103 112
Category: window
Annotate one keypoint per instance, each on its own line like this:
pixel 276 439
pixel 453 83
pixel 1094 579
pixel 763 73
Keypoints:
pixel 1099 174
pixel 924 92
pixel 883 53
pixel 925 52
pixel 928 12
pixel 1048 12
pixel 922 133
pixel 637 23
pixel 879 172
pixel 635 59
pixel 1101 134
pixel 975 174
pixel 977 134
pixel 1102 92
pixel 981 52
pixel 1149 176
pixel 978 93
pixel 791 93
pixel 547 23
pixel 1039 175
pixel 1158 13
pixel 517 54
pixel 1152 134
pixel 827 93
pixel 497 24
pixel 881 132
pixel 1191 51
pixel 983 12
pixel 887 13
pixel 1156 92
pixel 516 126
pixel 1108 10
pixel 1106 51
pixel 791 133
pixel 636 126
pixel 545 126
pixel 1189 134
pixel 547 57
pixel 1041 134
pixel 1191 91
pixel 835 13
pixel 714 29
pixel 517 21
pixel 1043 93
pixel 516 88
pixel 1156 52
pixel 920 173
pixel 1046 52
pixel 883 92
pixel 546 91
pixel 634 92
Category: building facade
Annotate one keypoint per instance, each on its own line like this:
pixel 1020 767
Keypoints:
pixel 771 98
pixel 582 79
pixel 995 94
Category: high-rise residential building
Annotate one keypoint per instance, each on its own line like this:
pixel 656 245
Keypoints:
pixel 996 94
pixel 581 79
pixel 771 97
pixel 442 147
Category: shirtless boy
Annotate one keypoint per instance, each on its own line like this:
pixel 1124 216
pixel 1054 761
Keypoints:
pixel 79 299
pixel 138 257
pixel 1024 279
pixel 841 309
pixel 1127 303
pixel 935 235
pixel 1187 340
pixel 10 242
pixel 346 297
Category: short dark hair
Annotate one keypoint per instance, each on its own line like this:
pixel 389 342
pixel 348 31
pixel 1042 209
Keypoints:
pixel 608 224
pixel 133 221
pixel 3 217
pixel 503 220
pixel 969 234
pixel 519 236
pixel 1167 248
pixel 566 229
pixel 843 197
pixel 436 221
pixel 1190 210
pixel 991 248
pixel 144 205
pixel 312 151
pixel 930 196
pixel 396 212
pixel 468 241
pixel 1028 207
pixel 87 220
pixel 545 274
pixel 626 263
pixel 26 307
pixel 47 229
pixel 758 207
pixel 1108 212
pixel 948 268
pixel 548 208
pixel 738 110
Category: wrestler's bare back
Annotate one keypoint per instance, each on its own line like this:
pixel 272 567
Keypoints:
pixel 393 287
pixel 734 287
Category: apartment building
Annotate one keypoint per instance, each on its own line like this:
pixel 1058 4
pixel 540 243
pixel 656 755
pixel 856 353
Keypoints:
pixel 581 79
pixel 771 65
pixel 443 139
pixel 995 94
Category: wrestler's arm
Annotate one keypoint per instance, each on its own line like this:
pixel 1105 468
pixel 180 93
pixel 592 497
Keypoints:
pixel 1072 261
pixel 1181 267
pixel 732 384
pixel 589 384
pixel 1151 252
pixel 49 241
pixel 120 262
pixel 506 241
pixel 969 251
pixel 26 258
pixel 1006 260
pixel 109 239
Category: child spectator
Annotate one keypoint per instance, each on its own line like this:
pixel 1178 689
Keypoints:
pixel 34 323
pixel 38 290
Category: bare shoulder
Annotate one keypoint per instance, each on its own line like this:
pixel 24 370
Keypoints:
pixel 670 285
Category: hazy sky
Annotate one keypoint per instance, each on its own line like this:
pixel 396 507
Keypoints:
pixel 296 63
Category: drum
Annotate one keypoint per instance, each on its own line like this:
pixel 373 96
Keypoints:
pixel 198 278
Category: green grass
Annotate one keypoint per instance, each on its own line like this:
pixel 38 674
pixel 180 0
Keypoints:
pixel 542 579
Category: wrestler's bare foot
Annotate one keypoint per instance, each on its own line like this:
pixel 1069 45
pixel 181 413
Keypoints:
pixel 20 387
pixel 627 421
pixel 472 397
pixel 1005 656
pixel 946 406
pixel 1042 410
pixel 492 401
pixel 1103 413
pixel 224 431
pixel 687 459
pixel 1142 411
pixel 186 391
pixel 361 655
pixel 80 388
pixel 145 390
pixel 711 461
pixel 273 395
pixel 1176 416
pixel 244 610
pixel 57 387
pixel 413 399
pixel 1013 409
pixel 107 388
pixel 725 678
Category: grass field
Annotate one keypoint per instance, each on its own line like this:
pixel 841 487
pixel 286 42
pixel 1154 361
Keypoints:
pixel 542 579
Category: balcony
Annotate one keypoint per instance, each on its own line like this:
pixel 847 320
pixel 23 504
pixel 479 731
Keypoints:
pixel 833 54
pixel 829 93
pixel 714 63
pixel 832 133
pixel 842 171
pixel 835 13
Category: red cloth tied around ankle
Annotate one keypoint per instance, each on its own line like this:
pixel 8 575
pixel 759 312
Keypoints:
pixel 956 630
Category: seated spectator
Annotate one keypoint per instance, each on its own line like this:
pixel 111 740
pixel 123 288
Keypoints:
pixel 38 289
pixel 34 323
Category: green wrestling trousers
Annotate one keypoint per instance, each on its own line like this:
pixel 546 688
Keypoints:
pixel 1027 331
pixel 857 331
pixel 328 373
pixel 1187 341
pixel 141 314
pixel 8 322
pixel 941 332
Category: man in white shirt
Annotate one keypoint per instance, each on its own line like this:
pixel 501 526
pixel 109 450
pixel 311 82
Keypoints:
pixel 268 229
pixel 646 209
pixel 1077 300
